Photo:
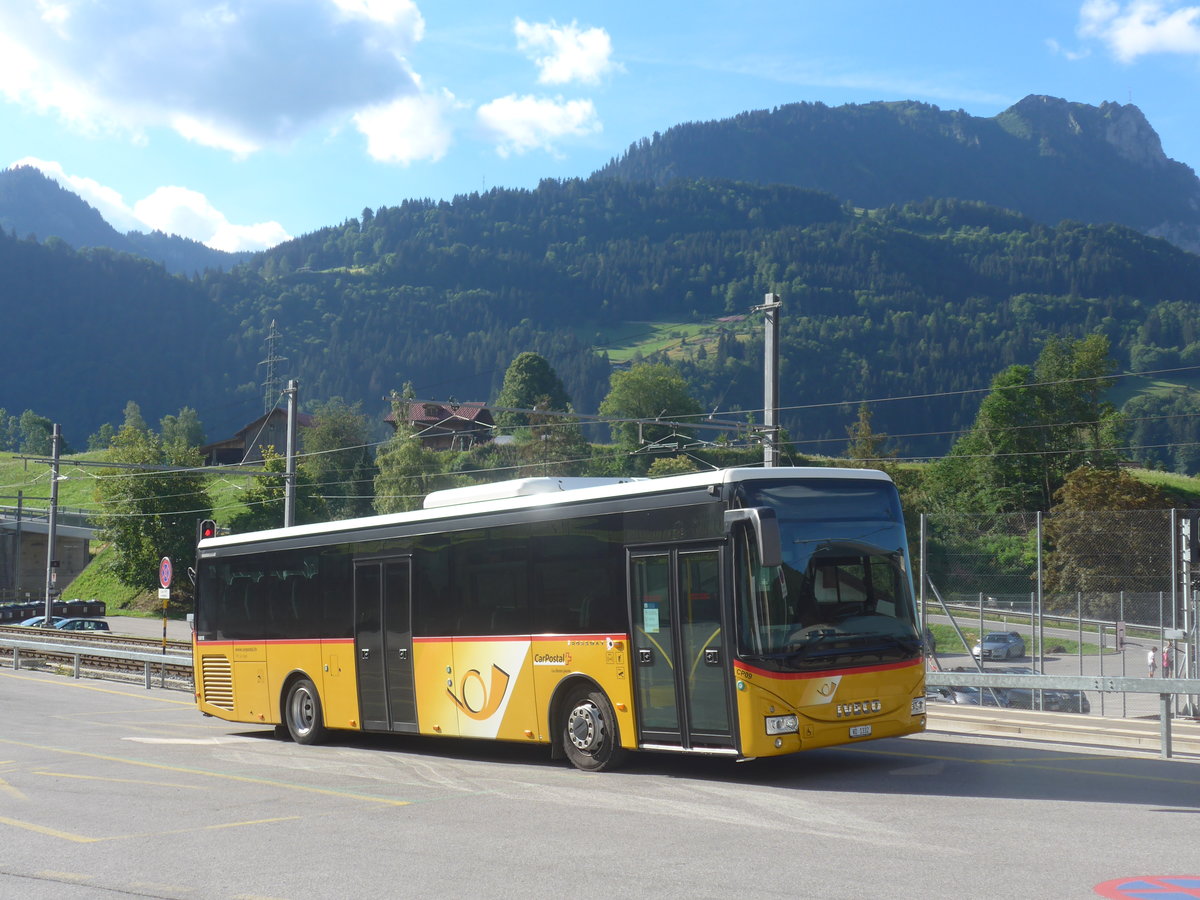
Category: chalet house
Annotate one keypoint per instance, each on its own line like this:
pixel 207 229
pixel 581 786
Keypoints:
pixel 449 426
pixel 268 430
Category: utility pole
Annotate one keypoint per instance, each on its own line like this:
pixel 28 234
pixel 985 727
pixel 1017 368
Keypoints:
pixel 52 533
pixel 271 385
pixel 770 308
pixel 289 478
pixel 17 551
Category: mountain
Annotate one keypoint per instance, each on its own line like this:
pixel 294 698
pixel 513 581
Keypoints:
pixel 926 300
pixel 33 204
pixel 1045 157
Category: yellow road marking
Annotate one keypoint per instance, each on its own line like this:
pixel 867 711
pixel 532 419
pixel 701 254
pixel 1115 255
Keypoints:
pixel 52 832
pixel 64 876
pixel 328 792
pixel 170 784
pixel 7 788
pixel 177 831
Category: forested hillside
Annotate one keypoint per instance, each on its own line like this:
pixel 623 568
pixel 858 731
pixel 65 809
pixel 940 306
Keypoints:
pixel 33 205
pixel 1045 157
pixel 930 298
pixel 923 299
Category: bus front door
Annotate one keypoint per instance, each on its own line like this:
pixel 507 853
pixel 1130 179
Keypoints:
pixel 383 644
pixel 679 649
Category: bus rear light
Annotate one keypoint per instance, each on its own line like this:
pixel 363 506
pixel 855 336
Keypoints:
pixel 783 724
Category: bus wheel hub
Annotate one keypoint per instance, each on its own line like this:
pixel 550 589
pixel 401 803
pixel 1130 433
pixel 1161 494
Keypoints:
pixel 585 726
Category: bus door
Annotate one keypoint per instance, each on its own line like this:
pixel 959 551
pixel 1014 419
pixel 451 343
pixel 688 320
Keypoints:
pixel 680 654
pixel 383 644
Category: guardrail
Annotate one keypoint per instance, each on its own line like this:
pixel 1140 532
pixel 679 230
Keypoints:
pixel 78 652
pixel 64 515
pixel 1166 688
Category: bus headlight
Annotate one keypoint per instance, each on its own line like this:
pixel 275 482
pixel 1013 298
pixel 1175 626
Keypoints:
pixel 918 706
pixel 783 724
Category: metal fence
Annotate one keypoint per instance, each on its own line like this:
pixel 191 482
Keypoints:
pixel 1103 592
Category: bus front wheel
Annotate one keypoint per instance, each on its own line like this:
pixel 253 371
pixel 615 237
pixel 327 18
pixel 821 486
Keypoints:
pixel 302 713
pixel 590 736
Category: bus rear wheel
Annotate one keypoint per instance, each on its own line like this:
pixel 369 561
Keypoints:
pixel 302 713
pixel 589 736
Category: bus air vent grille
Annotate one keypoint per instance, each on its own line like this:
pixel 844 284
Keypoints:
pixel 216 674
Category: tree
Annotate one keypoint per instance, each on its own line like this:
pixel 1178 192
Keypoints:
pixel 264 500
pixel 133 417
pixel 553 445
pixel 866 445
pixel 1088 530
pixel 10 431
pixel 184 428
pixel 1037 424
pixel 147 513
pixel 529 383
pixel 672 465
pixel 338 457
pixel 648 391
pixel 103 437
pixel 36 434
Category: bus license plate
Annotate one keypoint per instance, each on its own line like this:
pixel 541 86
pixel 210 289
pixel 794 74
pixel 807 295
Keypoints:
pixel 860 731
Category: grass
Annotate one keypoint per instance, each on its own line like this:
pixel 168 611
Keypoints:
pixel 946 640
pixel 97 582
pixel 1127 388
pixel 75 489
pixel 630 340
pixel 1185 488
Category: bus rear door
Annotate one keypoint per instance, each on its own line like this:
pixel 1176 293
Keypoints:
pixel 383 644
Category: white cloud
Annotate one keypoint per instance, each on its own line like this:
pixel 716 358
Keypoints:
pixel 235 74
pixel 566 53
pixel 169 209
pixel 1141 27
pixel 408 129
pixel 386 12
pixel 178 210
pixel 528 123
pixel 1059 50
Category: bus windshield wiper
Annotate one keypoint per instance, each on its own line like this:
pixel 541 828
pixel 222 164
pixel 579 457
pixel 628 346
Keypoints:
pixel 816 645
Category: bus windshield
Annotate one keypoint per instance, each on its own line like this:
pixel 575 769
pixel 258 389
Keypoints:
pixel 843 594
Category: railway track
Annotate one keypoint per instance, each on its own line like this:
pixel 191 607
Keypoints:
pixel 99 655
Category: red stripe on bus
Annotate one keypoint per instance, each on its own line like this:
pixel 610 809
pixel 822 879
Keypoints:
pixel 200 643
pixel 524 637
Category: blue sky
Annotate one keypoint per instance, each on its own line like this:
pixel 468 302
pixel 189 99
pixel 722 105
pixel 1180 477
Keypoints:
pixel 241 123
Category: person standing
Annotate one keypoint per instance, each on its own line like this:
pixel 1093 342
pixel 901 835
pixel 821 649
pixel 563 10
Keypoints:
pixel 1152 660
pixel 1168 660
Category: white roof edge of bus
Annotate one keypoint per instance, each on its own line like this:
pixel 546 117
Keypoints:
pixel 624 488
pixel 518 487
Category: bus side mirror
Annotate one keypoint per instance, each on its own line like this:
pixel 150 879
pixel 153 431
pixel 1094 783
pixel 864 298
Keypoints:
pixel 766 531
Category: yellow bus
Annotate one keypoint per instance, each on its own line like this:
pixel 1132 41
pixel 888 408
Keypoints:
pixel 745 612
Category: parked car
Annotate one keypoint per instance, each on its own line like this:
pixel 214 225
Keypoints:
pixel 1000 645
pixel 81 625
pixel 1054 700
pixel 40 622
pixel 971 696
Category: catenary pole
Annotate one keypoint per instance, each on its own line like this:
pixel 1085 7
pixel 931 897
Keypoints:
pixel 52 531
pixel 289 482
pixel 770 309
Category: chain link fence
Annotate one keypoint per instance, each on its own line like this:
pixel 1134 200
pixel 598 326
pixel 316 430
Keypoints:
pixel 1102 592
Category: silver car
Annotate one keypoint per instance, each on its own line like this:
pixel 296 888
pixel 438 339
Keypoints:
pixel 1000 645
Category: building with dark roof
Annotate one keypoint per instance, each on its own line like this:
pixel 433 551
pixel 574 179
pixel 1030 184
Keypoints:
pixel 268 430
pixel 449 426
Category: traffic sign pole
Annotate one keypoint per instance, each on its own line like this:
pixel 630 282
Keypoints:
pixel 165 574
